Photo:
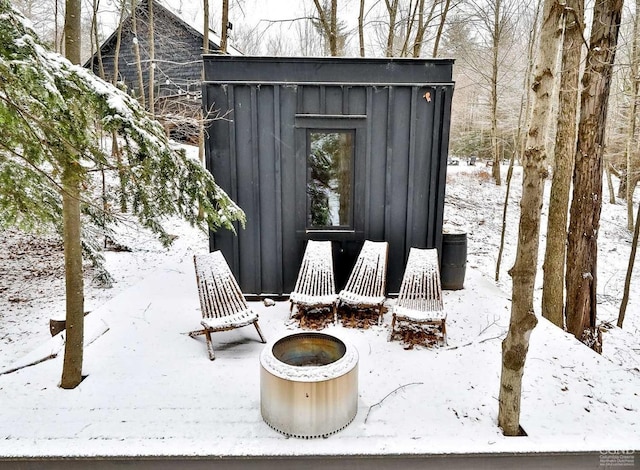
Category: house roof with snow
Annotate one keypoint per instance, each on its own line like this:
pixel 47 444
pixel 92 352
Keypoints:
pixel 178 38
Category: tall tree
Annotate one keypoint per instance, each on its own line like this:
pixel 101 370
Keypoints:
pixel 443 19
pixel 116 54
pixel 523 319
pixel 392 7
pixel 136 50
pixel 500 20
pixel 224 35
pixel 361 28
pixel 496 21
pixel 327 23
pixel 52 113
pixel 95 38
pixel 635 97
pixel 634 75
pixel 519 142
pixel 205 50
pixel 74 287
pixel 565 145
pixel 627 279
pixel 582 250
pixel 152 60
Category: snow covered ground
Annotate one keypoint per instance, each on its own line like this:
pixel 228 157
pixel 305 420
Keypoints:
pixel 151 389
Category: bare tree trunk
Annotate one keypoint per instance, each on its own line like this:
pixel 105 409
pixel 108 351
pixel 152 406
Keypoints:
pixel 422 27
pixel 612 192
pixel 443 20
pixel 60 35
pixel 225 26
pixel 554 259
pixel 417 43
pixel 152 61
pixel 334 28
pixel 136 52
pixel 116 56
pixel 413 8
pixel 622 186
pixel 98 54
pixel 115 149
pixel 633 111
pixel 495 45
pixel 328 22
pixel 205 50
pixel 522 117
pixel 73 350
pixel 627 279
pixel 361 28
pixel 586 203
pixel 205 26
pixel 523 319
pixel 56 32
pixel 95 39
pixel 532 46
pixel 392 11
pixel 504 215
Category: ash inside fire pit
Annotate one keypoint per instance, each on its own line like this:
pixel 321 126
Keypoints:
pixel 309 349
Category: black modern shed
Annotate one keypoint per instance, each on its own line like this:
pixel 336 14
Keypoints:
pixel 340 149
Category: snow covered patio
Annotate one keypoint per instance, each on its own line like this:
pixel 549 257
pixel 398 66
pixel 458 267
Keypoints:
pixel 151 390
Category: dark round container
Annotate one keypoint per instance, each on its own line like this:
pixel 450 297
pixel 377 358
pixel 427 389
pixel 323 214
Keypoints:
pixel 454 260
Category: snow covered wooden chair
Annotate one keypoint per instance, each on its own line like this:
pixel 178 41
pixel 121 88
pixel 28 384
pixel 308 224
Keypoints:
pixel 222 303
pixel 315 286
pixel 366 285
pixel 420 297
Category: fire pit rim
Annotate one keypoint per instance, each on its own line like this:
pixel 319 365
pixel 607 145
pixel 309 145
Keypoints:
pixel 313 373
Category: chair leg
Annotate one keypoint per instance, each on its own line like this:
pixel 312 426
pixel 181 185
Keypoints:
pixel 380 314
pixel 255 323
pixel 207 334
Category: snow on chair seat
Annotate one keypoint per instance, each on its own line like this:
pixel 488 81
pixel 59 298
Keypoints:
pixel 315 286
pixel 366 285
pixel 420 297
pixel 222 303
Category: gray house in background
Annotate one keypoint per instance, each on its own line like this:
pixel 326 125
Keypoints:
pixel 333 149
pixel 178 58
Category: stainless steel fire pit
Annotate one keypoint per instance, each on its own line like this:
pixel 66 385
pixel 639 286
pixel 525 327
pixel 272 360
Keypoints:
pixel 309 384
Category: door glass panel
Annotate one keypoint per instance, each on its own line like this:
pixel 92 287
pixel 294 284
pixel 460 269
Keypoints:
pixel 330 178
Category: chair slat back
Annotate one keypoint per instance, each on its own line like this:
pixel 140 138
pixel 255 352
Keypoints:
pixel 219 292
pixel 316 272
pixel 369 274
pixel 420 289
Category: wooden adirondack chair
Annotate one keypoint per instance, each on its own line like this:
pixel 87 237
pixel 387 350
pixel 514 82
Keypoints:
pixel 420 297
pixel 315 286
pixel 222 303
pixel 366 285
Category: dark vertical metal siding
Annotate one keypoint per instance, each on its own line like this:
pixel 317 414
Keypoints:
pixel 377 162
pixel 421 210
pixel 255 155
pixel 291 245
pixel 267 190
pixel 398 179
